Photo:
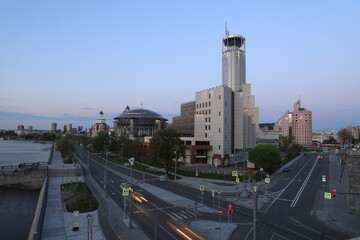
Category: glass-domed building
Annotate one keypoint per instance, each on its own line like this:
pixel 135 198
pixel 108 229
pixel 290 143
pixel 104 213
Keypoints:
pixel 138 123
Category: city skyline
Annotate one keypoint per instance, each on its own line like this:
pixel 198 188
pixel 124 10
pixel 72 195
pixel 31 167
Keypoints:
pixel 65 62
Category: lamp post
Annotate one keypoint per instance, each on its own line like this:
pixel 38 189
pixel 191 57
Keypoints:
pixel 131 160
pixel 105 172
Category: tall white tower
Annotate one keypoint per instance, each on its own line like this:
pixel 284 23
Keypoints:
pixel 233 61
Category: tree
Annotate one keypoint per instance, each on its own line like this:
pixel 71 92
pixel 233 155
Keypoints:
pixel 266 156
pixel 166 145
pixel 345 135
pixel 286 143
pixel 65 146
pixel 100 142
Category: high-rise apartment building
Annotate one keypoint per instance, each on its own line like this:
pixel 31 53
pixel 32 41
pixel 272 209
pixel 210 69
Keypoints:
pixel 297 123
pixel 225 117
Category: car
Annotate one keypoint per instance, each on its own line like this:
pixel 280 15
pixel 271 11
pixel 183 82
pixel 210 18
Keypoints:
pixel 286 169
pixel 320 157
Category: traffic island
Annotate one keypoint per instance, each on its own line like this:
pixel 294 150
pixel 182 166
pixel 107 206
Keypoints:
pixel 77 196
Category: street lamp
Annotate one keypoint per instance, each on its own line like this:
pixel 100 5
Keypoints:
pixel 106 173
pixel 132 161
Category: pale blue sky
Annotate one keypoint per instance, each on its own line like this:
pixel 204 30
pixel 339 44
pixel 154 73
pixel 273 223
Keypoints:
pixel 64 61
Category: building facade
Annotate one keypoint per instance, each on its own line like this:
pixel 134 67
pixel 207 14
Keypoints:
pixel 138 123
pixel 297 123
pixel 225 119
pixel 100 125
pixel 185 123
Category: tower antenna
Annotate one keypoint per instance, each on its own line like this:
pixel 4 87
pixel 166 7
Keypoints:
pixel 141 103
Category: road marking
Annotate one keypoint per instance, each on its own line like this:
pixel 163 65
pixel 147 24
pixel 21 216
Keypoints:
pixel 284 189
pixel 184 216
pixel 249 233
pixel 167 232
pixel 298 233
pixel 307 227
pixel 283 199
pixel 296 199
pixel 275 234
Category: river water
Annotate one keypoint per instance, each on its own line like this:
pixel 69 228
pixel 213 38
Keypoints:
pixel 17 207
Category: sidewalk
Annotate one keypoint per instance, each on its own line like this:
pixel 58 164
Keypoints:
pixel 57 221
pixel 335 212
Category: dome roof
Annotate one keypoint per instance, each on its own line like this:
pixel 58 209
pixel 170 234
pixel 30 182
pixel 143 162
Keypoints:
pixel 141 113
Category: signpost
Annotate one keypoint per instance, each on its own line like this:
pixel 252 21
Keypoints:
pixel 213 196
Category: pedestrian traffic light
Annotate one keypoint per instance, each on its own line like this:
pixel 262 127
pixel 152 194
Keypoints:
pixel 334 192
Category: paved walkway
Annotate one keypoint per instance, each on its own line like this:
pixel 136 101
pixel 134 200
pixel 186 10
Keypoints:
pixel 58 223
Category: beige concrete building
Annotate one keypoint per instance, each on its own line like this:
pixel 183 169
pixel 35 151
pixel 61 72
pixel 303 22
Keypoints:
pixel 225 117
pixel 186 121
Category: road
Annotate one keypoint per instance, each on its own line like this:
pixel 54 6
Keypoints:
pixel 290 216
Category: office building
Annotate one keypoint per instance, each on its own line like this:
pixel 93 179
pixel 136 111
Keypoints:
pixel 225 119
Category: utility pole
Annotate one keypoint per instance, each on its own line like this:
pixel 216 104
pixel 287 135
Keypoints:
pixel 131 160
pixel 255 211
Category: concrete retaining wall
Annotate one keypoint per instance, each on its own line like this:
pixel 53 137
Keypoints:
pixel 29 181
pixel 38 220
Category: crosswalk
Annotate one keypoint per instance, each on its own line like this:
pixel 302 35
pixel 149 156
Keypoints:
pixel 184 214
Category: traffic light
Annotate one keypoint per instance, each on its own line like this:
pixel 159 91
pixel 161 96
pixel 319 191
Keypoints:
pixel 334 193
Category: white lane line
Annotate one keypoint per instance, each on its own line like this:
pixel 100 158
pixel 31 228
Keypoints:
pixel 177 216
pixel 284 189
pixel 168 232
pixel 182 215
pixel 276 234
pixel 296 199
pixel 249 233
pixel 298 233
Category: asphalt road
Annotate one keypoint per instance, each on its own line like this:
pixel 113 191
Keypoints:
pixel 290 216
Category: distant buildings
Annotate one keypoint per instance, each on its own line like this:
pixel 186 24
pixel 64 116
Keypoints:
pixel 53 127
pixel 99 126
pixel 224 119
pixel 297 123
pixel 138 123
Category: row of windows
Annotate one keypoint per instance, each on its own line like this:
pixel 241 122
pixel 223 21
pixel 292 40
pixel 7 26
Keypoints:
pixel 202 105
pixel 204 112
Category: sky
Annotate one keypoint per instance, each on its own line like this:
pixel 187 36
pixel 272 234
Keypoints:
pixel 65 61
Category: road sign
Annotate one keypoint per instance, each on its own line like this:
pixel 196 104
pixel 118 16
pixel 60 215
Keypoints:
pixel 213 193
pixel 327 195
pixel 196 173
pixel 125 192
pixel 220 211
pixel 219 192
pixel 261 169
pixel 237 180
pixel 219 196
pixel 162 178
pixel 254 188
pixel 126 164
pixel 230 209
pixel 202 187
pixel 267 180
pixel 234 173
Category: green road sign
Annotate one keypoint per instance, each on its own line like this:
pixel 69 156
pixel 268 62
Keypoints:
pixel 267 180
pixel 202 187
pixel 234 173
pixel 237 180
pixel 126 164
pixel 125 192
pixel 213 193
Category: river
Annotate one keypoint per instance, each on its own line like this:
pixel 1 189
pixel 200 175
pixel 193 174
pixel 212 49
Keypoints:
pixel 17 207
